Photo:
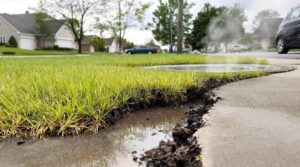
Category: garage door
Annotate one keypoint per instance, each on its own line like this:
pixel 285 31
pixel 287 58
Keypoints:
pixel 63 43
pixel 27 43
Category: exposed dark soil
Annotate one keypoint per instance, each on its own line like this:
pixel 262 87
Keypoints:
pixel 184 150
pixel 160 100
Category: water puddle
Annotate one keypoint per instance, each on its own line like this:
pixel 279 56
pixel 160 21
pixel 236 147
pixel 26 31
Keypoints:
pixel 113 147
pixel 224 68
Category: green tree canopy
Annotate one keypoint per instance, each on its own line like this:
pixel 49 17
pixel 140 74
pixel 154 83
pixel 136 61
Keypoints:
pixel 201 24
pixel 98 43
pixel 228 27
pixel 164 25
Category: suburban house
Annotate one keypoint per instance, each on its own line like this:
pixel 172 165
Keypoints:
pixel 265 34
pixel 23 28
pixel 111 45
pixel 86 44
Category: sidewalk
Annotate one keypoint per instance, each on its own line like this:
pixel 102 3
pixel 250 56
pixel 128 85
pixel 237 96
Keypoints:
pixel 256 125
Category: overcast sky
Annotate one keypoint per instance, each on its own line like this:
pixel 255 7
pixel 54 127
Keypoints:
pixel 251 7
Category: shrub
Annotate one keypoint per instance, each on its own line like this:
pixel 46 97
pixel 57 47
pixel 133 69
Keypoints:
pixel 13 42
pixel 55 47
pixel 99 44
pixel 65 49
pixel 9 53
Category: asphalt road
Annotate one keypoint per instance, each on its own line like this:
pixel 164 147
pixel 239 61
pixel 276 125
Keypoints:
pixel 257 124
pixel 292 55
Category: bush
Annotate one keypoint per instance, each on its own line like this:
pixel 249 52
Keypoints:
pixel 99 44
pixel 5 45
pixel 9 53
pixel 13 42
pixel 65 49
pixel 55 47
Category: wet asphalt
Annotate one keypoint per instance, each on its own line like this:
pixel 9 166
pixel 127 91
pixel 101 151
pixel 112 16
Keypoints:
pixel 257 124
pixel 268 55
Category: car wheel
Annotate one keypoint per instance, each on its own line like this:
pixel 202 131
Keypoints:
pixel 129 53
pixel 281 46
pixel 150 53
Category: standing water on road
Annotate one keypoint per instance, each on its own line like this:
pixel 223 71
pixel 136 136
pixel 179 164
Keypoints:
pixel 223 68
pixel 113 147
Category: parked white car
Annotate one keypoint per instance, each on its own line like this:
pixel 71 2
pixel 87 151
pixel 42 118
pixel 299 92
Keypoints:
pixel 235 49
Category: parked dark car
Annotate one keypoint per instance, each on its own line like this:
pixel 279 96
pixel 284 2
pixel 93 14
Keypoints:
pixel 288 36
pixel 141 50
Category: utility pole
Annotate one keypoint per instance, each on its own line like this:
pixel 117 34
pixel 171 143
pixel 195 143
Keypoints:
pixel 180 27
pixel 171 29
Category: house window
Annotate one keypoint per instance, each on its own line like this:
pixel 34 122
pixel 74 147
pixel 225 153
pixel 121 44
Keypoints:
pixel 2 39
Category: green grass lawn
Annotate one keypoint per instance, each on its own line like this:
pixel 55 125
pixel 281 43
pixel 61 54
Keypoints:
pixel 35 52
pixel 40 96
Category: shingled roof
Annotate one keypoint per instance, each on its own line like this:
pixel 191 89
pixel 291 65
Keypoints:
pixel 108 41
pixel 88 39
pixel 25 23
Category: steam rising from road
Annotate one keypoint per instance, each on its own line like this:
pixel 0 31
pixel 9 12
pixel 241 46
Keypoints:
pixel 223 30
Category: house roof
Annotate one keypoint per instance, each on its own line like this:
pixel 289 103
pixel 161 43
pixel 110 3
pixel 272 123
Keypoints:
pixel 268 29
pixel 25 23
pixel 88 38
pixel 108 41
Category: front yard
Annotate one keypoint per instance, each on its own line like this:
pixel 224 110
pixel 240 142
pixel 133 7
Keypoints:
pixel 35 52
pixel 63 96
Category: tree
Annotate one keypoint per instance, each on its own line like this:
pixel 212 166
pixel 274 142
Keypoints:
pixel 165 20
pixel 198 36
pixel 98 43
pixel 264 16
pixel 246 40
pixel 129 45
pixel 13 42
pixel 42 20
pixel 151 43
pixel 122 14
pixel 74 14
pixel 228 27
pixel 180 27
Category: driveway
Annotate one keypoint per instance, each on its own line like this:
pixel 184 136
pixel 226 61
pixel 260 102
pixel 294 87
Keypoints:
pixel 257 124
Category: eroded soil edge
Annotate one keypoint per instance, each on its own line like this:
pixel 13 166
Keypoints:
pixel 183 150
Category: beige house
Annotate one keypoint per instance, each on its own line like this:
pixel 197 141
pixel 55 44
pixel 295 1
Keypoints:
pixel 22 27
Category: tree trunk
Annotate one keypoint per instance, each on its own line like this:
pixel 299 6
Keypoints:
pixel 120 29
pixel 171 33
pixel 180 27
pixel 120 46
pixel 79 46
